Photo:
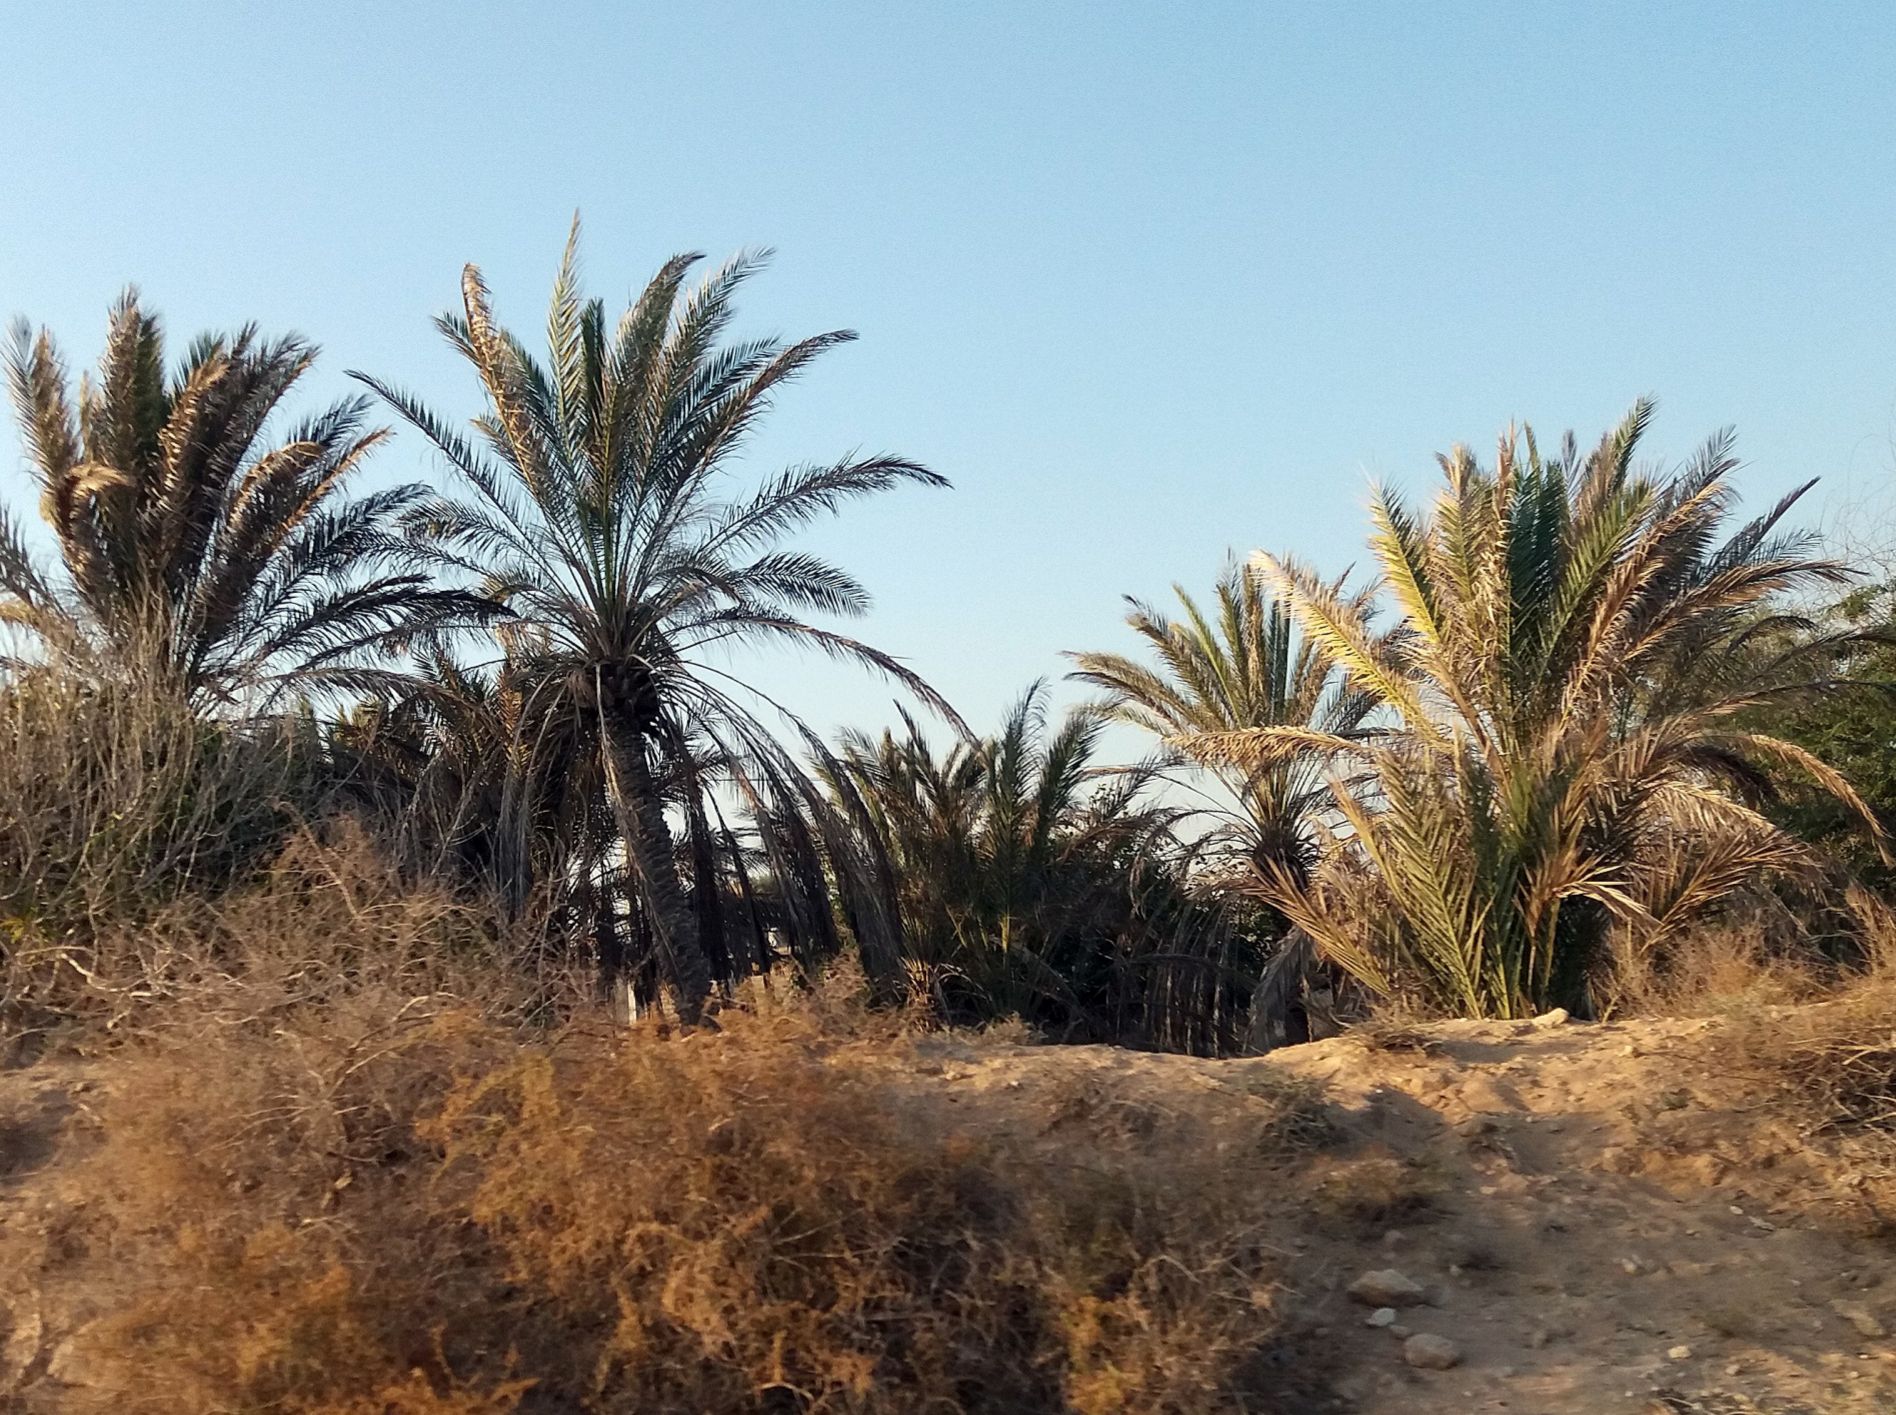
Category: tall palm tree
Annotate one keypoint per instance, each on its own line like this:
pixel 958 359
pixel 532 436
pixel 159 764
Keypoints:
pixel 1577 653
pixel 196 553
pixel 602 508
pixel 1247 668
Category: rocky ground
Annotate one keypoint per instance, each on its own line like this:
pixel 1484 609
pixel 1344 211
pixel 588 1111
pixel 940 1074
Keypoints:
pixel 1539 1218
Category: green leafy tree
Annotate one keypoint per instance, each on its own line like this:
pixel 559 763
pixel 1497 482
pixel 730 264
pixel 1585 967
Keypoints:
pixel 1853 730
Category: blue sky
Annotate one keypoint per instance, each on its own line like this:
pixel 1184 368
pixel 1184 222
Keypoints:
pixel 1150 283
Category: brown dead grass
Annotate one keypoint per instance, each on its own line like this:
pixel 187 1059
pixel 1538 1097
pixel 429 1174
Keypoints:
pixel 393 1200
pixel 1831 1065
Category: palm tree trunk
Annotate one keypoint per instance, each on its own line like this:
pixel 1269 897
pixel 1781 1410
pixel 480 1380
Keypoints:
pixel 653 856
pixel 1277 1016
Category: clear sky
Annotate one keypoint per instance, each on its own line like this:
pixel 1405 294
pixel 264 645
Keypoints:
pixel 1150 283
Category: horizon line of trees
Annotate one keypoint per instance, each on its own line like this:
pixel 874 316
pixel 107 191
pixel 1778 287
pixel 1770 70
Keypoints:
pixel 1578 711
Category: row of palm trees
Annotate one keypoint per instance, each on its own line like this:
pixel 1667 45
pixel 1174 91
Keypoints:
pixel 1526 752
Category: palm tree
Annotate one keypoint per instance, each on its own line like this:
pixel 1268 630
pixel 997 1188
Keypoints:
pixel 196 555
pixel 1034 881
pixel 1569 764
pixel 1246 669
pixel 602 512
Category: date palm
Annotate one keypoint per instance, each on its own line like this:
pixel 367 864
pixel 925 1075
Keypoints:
pixel 1035 881
pixel 196 553
pixel 603 507
pixel 1580 645
pixel 1246 667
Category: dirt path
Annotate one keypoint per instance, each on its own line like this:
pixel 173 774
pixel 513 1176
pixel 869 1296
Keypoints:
pixel 1617 1227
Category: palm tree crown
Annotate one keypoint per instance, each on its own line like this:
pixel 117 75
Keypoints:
pixel 1034 881
pixel 195 553
pixel 1567 759
pixel 1247 668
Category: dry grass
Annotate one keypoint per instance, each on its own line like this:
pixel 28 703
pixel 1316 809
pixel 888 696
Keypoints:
pixel 1363 1195
pixel 1832 1065
pixel 382 1197
pixel 1837 1057
pixel 114 803
pixel 327 925
pixel 1754 955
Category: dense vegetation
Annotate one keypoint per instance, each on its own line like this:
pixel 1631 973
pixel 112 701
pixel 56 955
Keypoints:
pixel 1581 710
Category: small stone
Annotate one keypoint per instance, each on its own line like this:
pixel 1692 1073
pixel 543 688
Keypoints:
pixel 1679 1353
pixel 1475 1125
pixel 1386 1287
pixel 1632 1267
pixel 20 1333
pixel 1861 1319
pixel 1429 1352
pixel 1393 1237
pixel 1400 1332
pixel 1538 1338
pixel 1556 1018
pixel 1381 1317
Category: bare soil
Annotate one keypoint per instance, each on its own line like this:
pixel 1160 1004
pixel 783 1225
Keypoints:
pixel 1602 1218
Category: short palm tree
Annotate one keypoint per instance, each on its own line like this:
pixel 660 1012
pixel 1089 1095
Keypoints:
pixel 1035 881
pixel 1568 762
pixel 196 553
pixel 1246 668
pixel 603 510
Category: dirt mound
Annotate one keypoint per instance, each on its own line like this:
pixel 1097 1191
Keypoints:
pixel 1543 1217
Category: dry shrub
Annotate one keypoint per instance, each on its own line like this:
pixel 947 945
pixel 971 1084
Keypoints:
pixel 114 798
pixel 1840 1055
pixel 1753 954
pixel 327 922
pixel 1832 1066
pixel 1389 1030
pixel 1362 1195
pixel 368 1207
pixel 252 1270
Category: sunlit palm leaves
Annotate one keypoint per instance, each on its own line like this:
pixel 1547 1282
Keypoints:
pixel 602 507
pixel 195 552
pixel 1577 639
pixel 1244 667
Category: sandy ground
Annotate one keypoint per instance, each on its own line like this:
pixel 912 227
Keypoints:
pixel 1597 1218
